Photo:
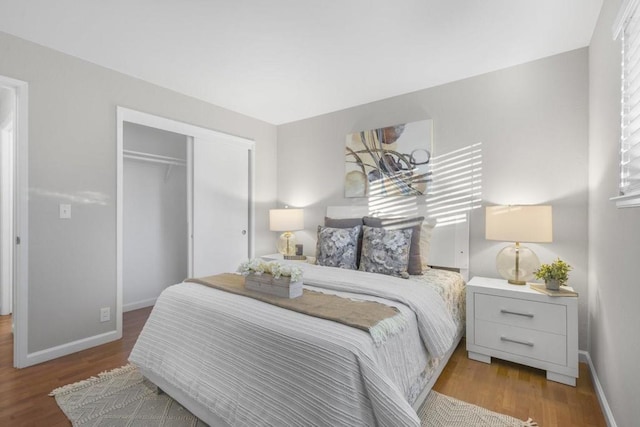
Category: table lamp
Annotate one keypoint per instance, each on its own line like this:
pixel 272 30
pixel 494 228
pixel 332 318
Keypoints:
pixel 529 223
pixel 287 220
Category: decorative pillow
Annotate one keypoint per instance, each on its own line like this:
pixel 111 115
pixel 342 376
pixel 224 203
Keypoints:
pixel 347 223
pixel 415 224
pixel 342 222
pixel 337 247
pixel 425 244
pixel 386 251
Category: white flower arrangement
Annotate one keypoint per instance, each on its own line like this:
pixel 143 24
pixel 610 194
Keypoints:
pixel 258 266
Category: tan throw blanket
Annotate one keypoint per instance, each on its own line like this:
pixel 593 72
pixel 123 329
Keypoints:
pixel 378 319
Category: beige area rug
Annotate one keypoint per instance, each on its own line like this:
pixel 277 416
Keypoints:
pixel 123 398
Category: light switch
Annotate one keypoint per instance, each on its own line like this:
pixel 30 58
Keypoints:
pixel 65 211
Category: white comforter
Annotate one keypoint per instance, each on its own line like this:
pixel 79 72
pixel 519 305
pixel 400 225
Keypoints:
pixel 437 327
pixel 254 364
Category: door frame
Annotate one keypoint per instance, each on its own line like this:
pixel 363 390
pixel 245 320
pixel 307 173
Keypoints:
pixel 190 131
pixel 20 291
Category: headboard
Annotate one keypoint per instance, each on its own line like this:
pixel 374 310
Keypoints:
pixel 449 242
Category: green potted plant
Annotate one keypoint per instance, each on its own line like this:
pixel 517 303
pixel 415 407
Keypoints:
pixel 554 275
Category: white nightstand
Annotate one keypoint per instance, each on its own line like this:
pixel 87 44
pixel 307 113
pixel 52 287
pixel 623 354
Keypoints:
pixel 519 324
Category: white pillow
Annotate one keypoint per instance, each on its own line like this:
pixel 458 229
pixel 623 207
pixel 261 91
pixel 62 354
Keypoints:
pixel 425 243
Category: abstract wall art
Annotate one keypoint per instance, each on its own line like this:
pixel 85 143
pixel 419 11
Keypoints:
pixel 389 161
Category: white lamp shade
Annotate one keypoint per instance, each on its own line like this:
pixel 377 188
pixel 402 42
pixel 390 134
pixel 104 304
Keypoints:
pixel 528 223
pixel 286 219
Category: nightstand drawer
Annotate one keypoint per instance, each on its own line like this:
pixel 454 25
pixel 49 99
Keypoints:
pixel 518 312
pixel 529 343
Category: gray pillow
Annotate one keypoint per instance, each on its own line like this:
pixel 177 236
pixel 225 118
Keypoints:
pixel 342 222
pixel 415 224
pixel 337 247
pixel 386 251
pixel 347 223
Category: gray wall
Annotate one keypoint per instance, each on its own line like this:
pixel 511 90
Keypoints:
pixel 72 159
pixel 532 121
pixel 614 235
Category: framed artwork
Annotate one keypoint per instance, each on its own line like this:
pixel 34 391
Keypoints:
pixel 389 161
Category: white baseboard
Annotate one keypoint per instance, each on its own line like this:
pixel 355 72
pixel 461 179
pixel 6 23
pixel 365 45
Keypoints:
pixel 604 404
pixel 138 304
pixel 83 344
pixel 69 348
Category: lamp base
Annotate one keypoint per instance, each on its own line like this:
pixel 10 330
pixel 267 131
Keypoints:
pixel 287 244
pixel 517 264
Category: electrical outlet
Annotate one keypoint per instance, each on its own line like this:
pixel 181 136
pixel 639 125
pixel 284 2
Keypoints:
pixel 105 314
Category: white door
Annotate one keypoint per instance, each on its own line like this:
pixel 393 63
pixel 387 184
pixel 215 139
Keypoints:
pixel 221 205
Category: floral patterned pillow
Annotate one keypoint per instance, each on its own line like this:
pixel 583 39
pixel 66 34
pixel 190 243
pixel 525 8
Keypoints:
pixel 338 247
pixel 415 249
pixel 386 251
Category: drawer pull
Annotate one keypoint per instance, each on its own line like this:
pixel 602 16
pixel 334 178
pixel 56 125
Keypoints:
pixel 529 343
pixel 516 313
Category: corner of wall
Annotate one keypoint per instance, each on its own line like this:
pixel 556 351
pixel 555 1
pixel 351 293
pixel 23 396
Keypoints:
pixel 604 404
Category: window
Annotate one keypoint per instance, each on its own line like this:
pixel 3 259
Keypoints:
pixel 627 29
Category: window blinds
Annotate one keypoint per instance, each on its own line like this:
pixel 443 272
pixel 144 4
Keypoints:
pixel 628 29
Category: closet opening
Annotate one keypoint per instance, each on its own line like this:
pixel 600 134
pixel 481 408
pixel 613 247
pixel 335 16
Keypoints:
pixel 185 205
pixel 155 251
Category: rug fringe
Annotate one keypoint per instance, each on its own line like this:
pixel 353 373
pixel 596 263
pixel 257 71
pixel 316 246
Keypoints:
pixel 117 371
pixel 92 380
pixel 529 423
pixel 71 387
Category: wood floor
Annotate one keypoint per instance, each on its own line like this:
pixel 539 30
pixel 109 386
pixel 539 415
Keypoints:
pixel 24 399
pixel 521 392
pixel 502 386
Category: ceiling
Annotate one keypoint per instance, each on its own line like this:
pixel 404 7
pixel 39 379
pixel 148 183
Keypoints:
pixel 285 60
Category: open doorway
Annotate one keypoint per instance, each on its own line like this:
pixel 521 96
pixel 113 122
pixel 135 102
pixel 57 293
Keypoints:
pixel 7 144
pixel 13 212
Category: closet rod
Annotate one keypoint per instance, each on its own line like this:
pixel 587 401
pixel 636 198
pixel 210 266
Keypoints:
pixel 153 158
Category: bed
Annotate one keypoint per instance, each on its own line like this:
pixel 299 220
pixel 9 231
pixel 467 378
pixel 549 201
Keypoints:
pixel 237 361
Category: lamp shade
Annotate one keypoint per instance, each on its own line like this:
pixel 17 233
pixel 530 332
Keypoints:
pixel 286 219
pixel 528 223
pixel 531 223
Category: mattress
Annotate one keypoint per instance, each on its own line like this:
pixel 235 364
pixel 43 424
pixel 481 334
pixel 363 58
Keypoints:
pixel 243 362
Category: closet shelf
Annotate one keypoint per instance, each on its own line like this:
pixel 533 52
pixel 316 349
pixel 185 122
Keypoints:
pixel 153 158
